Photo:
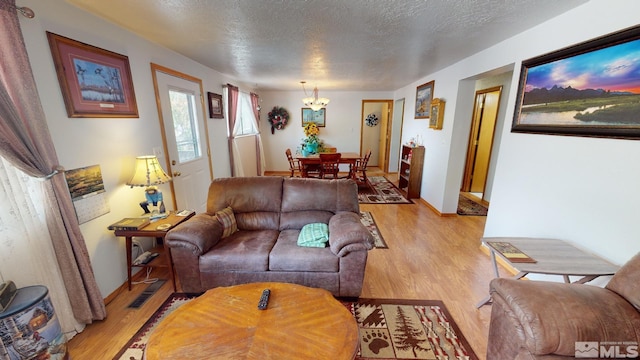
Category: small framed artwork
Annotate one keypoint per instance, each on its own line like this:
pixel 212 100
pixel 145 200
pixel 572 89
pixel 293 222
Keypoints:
pixel 589 89
pixel 316 117
pixel 94 82
pixel 437 114
pixel 424 95
pixel 215 106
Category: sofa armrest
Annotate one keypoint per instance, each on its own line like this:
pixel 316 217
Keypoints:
pixel 197 234
pixel 548 318
pixel 347 234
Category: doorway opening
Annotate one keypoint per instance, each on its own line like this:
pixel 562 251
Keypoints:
pixel 375 133
pixel 480 145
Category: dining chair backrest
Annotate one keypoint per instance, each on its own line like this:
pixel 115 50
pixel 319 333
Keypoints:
pixel 360 168
pixel 330 165
pixel 365 160
pixel 294 164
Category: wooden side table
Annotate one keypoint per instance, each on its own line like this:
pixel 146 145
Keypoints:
pixel 152 231
pixel 225 323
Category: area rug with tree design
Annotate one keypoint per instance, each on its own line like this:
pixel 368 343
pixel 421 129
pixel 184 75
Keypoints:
pixel 389 329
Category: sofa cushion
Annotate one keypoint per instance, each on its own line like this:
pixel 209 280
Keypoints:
pixel 242 251
pixel 228 221
pixel 314 235
pixel 286 255
pixel 626 281
pixel 245 194
pixel 307 201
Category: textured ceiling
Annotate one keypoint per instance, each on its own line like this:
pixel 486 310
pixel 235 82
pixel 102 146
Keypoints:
pixel 334 44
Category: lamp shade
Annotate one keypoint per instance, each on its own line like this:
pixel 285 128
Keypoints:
pixel 148 172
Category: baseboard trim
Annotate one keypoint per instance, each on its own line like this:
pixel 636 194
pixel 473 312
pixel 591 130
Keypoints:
pixel 432 208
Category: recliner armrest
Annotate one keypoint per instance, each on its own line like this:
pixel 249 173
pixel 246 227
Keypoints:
pixel 347 234
pixel 197 234
pixel 550 317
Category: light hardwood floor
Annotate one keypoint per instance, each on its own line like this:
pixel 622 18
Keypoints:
pixel 429 257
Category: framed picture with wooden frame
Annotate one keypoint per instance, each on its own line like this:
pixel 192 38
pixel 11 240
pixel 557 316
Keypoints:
pixel 317 117
pixel 437 114
pixel 215 106
pixel 94 82
pixel 588 89
pixel 424 95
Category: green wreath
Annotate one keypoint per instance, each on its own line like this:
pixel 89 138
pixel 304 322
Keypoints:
pixel 278 118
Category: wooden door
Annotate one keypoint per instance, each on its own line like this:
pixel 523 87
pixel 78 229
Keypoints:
pixel 485 115
pixel 186 145
pixel 383 146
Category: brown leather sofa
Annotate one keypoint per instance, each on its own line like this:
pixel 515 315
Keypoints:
pixel 270 212
pixel 544 320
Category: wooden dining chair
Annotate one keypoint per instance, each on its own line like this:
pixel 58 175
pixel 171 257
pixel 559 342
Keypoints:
pixel 294 165
pixel 329 165
pixel 359 169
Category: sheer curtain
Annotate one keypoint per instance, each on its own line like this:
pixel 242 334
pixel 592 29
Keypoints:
pixel 255 117
pixel 27 255
pixel 243 121
pixel 26 144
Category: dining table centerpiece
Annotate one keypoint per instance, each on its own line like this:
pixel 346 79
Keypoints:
pixel 311 144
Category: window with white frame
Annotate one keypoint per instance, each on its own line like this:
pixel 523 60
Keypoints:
pixel 245 118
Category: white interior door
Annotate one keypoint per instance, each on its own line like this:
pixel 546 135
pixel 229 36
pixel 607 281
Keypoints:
pixel 185 133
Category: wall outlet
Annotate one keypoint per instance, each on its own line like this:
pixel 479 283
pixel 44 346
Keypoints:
pixel 157 151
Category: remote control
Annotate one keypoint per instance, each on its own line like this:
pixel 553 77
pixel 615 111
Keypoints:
pixel 264 299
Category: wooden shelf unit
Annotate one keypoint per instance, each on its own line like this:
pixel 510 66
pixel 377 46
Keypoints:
pixel 410 174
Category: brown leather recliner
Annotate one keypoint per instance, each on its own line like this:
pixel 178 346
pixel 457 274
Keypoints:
pixel 270 212
pixel 544 320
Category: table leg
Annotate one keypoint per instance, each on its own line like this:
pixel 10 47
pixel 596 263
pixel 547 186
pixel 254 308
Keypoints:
pixel 494 262
pixel 128 244
pixel 486 300
pixel 586 279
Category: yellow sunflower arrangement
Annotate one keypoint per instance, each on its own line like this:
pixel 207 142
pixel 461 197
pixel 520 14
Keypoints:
pixel 311 144
pixel 311 129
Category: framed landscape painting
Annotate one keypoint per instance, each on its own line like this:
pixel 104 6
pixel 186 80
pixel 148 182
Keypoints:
pixel 424 96
pixel 590 89
pixel 317 117
pixel 94 82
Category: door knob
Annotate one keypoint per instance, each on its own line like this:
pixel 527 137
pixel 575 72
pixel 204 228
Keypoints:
pixel 176 173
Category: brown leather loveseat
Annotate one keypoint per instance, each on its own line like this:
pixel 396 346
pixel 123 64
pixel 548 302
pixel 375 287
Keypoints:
pixel 547 320
pixel 269 213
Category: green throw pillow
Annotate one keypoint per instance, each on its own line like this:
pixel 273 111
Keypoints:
pixel 228 221
pixel 314 235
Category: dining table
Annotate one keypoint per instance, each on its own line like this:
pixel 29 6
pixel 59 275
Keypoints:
pixel 310 160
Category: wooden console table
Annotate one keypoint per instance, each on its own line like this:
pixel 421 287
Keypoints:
pixel 225 323
pixel 553 257
pixel 152 232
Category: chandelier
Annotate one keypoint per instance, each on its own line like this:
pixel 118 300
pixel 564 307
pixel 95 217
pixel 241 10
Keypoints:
pixel 314 102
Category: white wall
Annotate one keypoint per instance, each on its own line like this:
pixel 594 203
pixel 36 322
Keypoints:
pixel 342 130
pixel 578 189
pixel 111 143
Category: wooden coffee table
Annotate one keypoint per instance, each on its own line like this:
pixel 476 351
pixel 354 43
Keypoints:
pixel 225 323
pixel 553 257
